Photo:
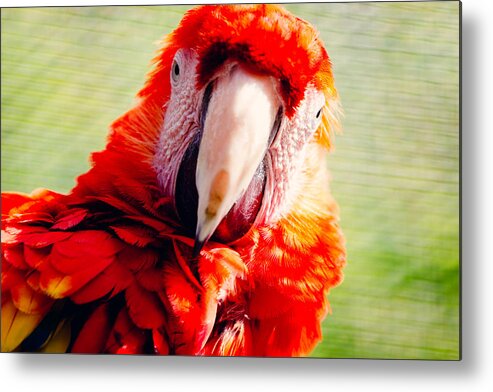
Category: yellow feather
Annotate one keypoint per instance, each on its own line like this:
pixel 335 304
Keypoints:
pixel 16 326
pixel 59 342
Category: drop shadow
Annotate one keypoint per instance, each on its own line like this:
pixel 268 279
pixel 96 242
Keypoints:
pixel 37 364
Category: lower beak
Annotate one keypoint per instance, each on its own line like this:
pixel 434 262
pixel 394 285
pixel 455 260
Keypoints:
pixel 237 127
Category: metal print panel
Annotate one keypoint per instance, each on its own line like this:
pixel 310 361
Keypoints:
pixel 280 180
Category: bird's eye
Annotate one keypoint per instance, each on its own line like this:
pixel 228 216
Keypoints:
pixel 319 113
pixel 175 71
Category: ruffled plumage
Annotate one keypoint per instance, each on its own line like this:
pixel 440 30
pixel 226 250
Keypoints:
pixel 141 290
pixel 58 247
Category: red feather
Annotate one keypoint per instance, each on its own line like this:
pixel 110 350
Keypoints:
pixel 182 299
pixel 11 200
pixel 84 250
pixel 94 334
pixel 11 277
pixel 36 257
pixel 28 300
pixel 112 280
pixel 134 235
pixel 136 259
pixel 15 257
pixel 160 341
pixel 144 307
pixel 125 337
pixel 39 217
pixel 43 238
pixel 68 219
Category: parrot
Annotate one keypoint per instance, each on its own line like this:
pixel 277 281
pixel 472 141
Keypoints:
pixel 206 226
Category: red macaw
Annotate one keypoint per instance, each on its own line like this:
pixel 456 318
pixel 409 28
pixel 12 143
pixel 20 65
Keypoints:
pixel 206 226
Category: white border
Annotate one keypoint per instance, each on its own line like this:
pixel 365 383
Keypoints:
pixel 19 372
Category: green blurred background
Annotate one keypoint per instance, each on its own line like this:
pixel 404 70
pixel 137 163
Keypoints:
pixel 67 73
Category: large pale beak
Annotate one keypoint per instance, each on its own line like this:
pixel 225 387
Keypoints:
pixel 239 120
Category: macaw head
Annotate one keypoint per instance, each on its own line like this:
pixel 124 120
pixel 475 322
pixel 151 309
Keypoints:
pixel 245 88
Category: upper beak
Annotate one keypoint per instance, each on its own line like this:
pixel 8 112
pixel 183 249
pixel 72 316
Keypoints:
pixel 237 127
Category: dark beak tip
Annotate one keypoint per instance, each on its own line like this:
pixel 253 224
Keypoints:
pixel 197 247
